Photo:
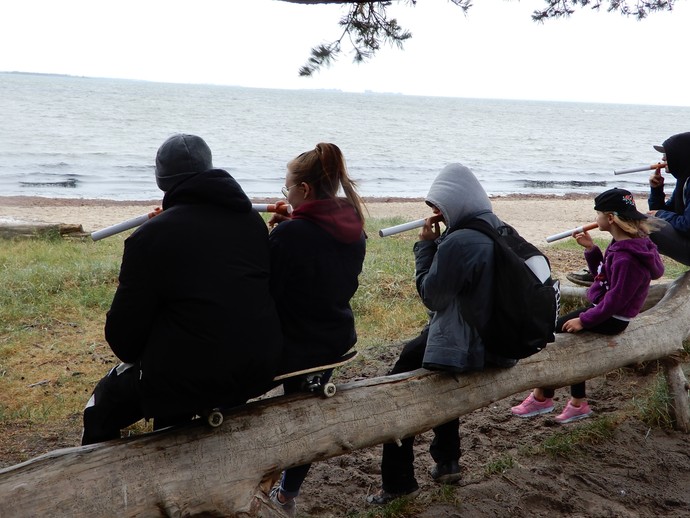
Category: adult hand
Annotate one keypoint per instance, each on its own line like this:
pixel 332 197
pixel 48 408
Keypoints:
pixel 276 217
pixel 656 180
pixel 430 231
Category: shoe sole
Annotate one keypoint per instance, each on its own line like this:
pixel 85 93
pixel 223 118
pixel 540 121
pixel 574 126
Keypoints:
pixel 579 282
pixel 574 418
pixel 535 413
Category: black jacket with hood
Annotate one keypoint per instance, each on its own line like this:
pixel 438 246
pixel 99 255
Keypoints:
pixel 193 310
pixel 316 259
pixel 675 210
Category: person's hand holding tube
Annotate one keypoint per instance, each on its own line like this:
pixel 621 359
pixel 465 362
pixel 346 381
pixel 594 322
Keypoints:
pixel 431 229
pixel 281 213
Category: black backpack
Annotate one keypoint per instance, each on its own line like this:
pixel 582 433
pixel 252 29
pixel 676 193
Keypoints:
pixel 525 309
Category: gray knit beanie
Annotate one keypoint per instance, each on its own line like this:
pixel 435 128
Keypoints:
pixel 180 157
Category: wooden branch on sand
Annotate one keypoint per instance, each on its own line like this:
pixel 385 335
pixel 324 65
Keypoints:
pixel 33 230
pixel 227 471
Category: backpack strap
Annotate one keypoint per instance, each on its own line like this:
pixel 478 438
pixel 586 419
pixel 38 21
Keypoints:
pixel 504 236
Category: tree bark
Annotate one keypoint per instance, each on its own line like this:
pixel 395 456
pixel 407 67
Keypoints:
pixel 679 391
pixel 577 294
pixel 227 471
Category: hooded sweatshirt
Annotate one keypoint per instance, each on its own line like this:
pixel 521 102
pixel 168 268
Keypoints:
pixel 621 281
pixel 193 309
pixel 454 274
pixel 675 210
pixel 316 258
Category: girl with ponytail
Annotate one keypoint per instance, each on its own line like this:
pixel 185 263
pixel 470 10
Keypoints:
pixel 316 257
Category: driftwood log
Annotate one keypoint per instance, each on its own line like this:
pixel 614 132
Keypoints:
pixel 227 471
pixel 36 230
pixel 578 295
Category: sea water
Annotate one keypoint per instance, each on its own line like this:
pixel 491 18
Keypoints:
pixel 75 137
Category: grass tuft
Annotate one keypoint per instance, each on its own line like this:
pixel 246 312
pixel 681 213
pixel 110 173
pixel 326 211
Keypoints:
pixel 569 442
pixel 655 406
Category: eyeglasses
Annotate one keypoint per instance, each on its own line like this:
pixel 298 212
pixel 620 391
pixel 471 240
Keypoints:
pixel 286 190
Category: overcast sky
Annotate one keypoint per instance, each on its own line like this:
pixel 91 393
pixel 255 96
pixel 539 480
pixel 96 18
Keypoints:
pixel 496 51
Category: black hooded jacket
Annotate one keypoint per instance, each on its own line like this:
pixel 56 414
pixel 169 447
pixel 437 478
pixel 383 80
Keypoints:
pixel 193 309
pixel 675 210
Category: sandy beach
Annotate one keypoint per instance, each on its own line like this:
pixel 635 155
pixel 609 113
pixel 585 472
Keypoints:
pixel 535 217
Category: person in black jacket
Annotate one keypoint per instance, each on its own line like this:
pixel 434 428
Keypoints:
pixel 192 319
pixel 316 258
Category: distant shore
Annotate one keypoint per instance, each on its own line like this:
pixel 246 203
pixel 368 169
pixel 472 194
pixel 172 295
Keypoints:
pixel 534 216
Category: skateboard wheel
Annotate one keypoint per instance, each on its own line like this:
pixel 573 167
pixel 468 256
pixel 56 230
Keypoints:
pixel 329 390
pixel 215 418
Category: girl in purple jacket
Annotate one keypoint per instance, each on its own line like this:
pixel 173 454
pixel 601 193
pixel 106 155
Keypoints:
pixel 620 287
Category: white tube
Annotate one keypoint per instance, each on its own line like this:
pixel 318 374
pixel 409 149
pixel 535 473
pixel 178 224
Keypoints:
pixel 639 169
pixel 122 226
pixel 568 233
pixel 401 228
pixel 285 209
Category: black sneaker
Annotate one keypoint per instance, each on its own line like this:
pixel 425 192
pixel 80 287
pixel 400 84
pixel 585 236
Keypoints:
pixel 581 277
pixel 384 497
pixel 446 472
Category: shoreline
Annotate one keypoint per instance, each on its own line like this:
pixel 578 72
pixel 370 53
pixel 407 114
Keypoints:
pixel 535 216
pixel 20 201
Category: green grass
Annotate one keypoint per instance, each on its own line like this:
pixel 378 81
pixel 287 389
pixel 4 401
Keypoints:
pixel 655 405
pixel 499 465
pixel 55 294
pixel 568 443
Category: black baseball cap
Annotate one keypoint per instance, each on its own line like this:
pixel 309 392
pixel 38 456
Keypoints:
pixel 619 201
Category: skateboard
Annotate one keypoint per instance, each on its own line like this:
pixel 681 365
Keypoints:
pixel 313 376
pixel 312 382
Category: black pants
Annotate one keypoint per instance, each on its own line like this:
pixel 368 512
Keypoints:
pixel 116 404
pixel 292 478
pixel 397 464
pixel 612 326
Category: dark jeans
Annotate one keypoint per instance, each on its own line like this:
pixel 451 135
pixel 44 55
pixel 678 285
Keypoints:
pixel 612 326
pixel 292 478
pixel 397 463
pixel 671 243
pixel 116 404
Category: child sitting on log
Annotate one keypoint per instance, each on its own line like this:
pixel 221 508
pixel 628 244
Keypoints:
pixel 621 284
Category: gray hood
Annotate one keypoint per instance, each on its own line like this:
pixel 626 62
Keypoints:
pixel 456 208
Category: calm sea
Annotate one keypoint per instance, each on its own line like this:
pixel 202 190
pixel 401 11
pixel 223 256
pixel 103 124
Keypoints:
pixel 74 137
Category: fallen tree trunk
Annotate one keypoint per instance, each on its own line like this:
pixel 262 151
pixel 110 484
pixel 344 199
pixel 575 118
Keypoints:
pixel 578 295
pixel 227 471
pixel 20 230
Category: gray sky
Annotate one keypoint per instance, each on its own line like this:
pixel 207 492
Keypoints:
pixel 496 51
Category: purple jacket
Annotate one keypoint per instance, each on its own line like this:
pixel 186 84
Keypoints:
pixel 621 279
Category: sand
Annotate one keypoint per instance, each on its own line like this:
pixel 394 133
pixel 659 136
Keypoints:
pixel 535 217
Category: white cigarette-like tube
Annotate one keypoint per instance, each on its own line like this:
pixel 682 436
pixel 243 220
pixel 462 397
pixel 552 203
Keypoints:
pixel 137 221
pixel 660 165
pixel 570 232
pixel 124 225
pixel 285 209
pixel 403 227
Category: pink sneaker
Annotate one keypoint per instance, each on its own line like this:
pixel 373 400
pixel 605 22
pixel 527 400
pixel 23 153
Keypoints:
pixel 531 407
pixel 573 413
